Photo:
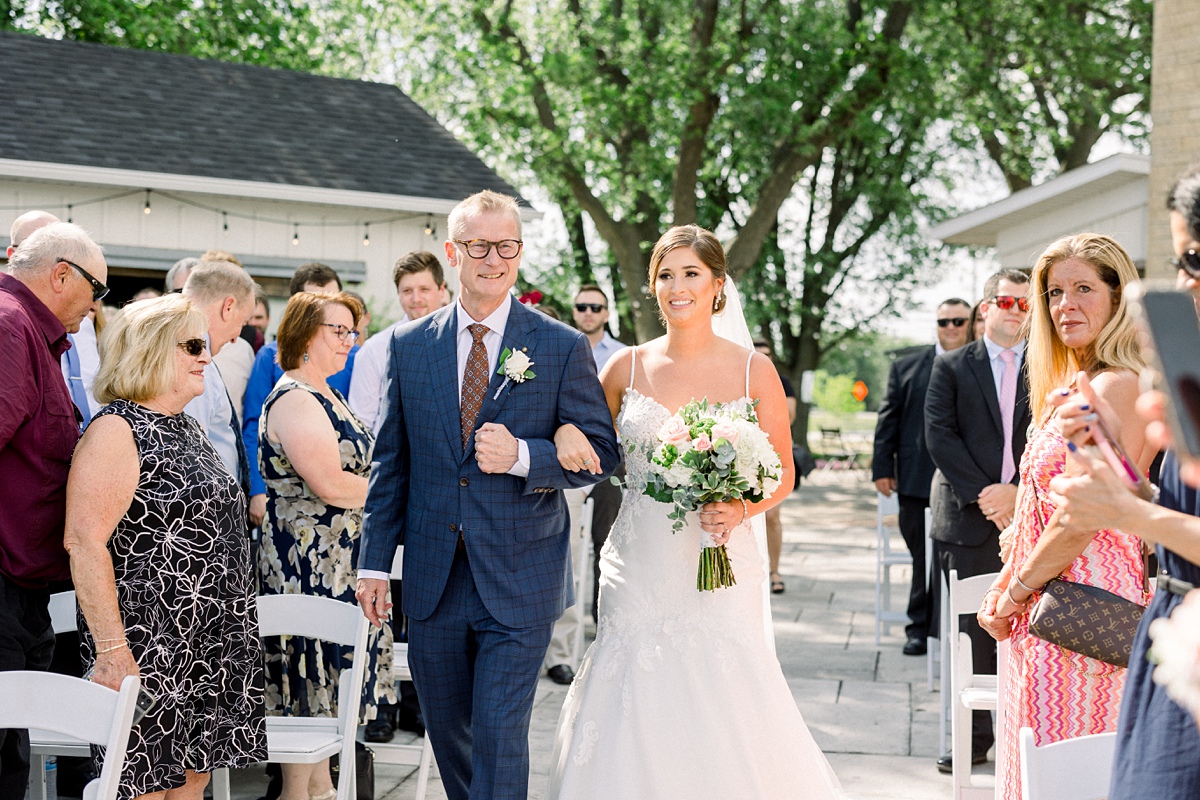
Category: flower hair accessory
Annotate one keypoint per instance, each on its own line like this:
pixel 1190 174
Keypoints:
pixel 515 367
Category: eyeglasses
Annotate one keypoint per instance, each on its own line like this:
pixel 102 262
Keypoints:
pixel 342 332
pixel 957 322
pixel 99 290
pixel 193 347
pixel 1189 262
pixel 479 248
pixel 595 308
pixel 1005 301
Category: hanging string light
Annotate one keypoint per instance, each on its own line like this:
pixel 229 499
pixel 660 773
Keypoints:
pixel 366 234
pixel 295 233
pixel 146 210
pixel 429 229
pixel 224 221
pixel 70 213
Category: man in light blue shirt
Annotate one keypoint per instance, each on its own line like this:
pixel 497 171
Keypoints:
pixel 225 293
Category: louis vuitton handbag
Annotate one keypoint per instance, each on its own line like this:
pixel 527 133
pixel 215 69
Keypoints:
pixel 1086 620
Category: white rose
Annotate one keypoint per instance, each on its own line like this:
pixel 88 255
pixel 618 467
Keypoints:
pixel 517 363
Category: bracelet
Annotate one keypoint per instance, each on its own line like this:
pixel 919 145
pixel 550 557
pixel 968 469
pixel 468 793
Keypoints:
pixel 114 648
pixel 1021 583
pixel 1008 591
pixel 117 639
pixel 745 510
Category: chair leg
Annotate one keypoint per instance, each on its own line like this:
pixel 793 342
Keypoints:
pixel 220 784
pixel 423 769
pixel 37 777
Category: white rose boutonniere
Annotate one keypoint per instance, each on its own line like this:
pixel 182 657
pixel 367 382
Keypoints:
pixel 515 367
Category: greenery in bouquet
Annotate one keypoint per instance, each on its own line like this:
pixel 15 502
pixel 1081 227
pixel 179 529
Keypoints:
pixel 711 453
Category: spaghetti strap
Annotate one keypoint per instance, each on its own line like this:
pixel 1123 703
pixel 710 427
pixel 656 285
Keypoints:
pixel 749 358
pixel 632 366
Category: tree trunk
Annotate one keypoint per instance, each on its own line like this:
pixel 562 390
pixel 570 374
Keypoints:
pixel 807 357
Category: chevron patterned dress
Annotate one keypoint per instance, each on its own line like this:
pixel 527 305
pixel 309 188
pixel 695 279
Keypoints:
pixel 1059 693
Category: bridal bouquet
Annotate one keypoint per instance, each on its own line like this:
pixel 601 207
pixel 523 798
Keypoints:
pixel 708 454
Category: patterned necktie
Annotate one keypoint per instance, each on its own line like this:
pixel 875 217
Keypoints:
pixel 475 381
pixel 1008 399
pixel 75 382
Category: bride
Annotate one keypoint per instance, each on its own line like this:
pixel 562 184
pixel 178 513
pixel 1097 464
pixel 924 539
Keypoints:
pixel 681 696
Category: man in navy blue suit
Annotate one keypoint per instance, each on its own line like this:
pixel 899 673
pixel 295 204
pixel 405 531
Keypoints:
pixel 466 477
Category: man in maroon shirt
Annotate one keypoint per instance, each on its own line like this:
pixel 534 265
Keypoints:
pixel 53 279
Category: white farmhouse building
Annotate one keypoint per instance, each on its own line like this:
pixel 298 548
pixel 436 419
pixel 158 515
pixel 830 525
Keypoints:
pixel 162 156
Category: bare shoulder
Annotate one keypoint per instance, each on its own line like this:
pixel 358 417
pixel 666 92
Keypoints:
pixel 1117 386
pixel 617 370
pixel 297 408
pixel 764 378
pixel 108 436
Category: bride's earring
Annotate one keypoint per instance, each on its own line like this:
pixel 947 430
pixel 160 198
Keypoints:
pixel 719 302
pixel 305 356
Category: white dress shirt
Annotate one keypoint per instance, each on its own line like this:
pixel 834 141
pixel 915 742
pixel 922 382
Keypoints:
pixel 213 412
pixel 370 373
pixel 994 350
pixel 89 361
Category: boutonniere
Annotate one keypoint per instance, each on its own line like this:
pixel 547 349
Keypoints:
pixel 515 367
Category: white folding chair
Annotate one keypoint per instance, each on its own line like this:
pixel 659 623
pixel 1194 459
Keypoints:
pixel 307 740
pixel 581 567
pixel 43 743
pixel 76 710
pixel 1073 769
pixel 418 755
pixel 885 559
pixel 933 651
pixel 1003 650
pixel 969 691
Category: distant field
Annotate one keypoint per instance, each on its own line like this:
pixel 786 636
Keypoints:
pixel 858 429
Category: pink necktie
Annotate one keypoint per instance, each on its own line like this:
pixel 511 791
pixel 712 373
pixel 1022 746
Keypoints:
pixel 1008 399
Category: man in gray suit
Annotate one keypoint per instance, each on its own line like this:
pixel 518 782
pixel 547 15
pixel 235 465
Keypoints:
pixel 976 415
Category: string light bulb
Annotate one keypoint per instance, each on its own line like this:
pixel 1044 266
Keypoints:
pixel 224 221
pixel 70 213
pixel 295 233
pixel 146 208
pixel 366 234
pixel 429 225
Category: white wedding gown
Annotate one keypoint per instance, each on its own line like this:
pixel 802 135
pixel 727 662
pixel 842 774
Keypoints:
pixel 679 697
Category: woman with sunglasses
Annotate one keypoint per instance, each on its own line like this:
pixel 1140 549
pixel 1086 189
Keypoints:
pixel 156 532
pixel 314 455
pixel 1078 322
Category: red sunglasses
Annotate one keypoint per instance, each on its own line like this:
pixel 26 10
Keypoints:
pixel 1005 301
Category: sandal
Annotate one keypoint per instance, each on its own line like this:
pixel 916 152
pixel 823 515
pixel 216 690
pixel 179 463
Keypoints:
pixel 777 585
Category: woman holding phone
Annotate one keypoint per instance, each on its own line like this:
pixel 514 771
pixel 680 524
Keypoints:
pixel 1078 322
pixel 156 532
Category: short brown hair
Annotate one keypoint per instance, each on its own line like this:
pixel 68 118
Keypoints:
pixel 222 255
pixel 303 317
pixel 313 272
pixel 591 287
pixel 418 261
pixel 702 242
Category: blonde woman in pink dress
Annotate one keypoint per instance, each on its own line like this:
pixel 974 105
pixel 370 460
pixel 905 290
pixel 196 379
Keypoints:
pixel 1078 322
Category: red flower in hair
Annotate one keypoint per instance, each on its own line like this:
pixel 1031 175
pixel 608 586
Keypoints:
pixel 532 298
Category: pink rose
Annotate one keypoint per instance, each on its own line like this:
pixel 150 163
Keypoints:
pixel 674 431
pixel 702 442
pixel 725 430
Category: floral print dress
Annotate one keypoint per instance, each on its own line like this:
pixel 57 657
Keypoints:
pixel 309 547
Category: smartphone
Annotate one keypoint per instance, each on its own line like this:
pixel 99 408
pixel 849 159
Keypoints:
pixel 1170 331
pixel 143 705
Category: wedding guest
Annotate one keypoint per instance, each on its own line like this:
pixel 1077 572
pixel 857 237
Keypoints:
pixel 364 323
pixel 310 277
pixel 52 281
pixel 976 415
pixel 1158 749
pixel 975 324
pixel 1078 323
pixel 225 293
pixel 420 285
pixel 156 532
pixel 148 293
pixel 261 318
pixel 774 521
pixel 591 315
pixel 314 456
pixel 901 461
pixel 177 275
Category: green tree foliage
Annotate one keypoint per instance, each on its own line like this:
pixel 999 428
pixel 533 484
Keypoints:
pixel 835 393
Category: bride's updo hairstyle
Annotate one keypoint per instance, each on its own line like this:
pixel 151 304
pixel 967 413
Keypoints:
pixel 702 243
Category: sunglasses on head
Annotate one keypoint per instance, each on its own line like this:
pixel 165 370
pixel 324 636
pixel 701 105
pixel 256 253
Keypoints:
pixel 1006 301
pixel 957 322
pixel 193 347
pixel 1189 262
pixel 595 308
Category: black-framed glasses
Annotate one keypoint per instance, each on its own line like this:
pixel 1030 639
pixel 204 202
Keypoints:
pixel 342 332
pixel 193 347
pixel 479 248
pixel 1004 302
pixel 957 322
pixel 1189 262
pixel 99 290
pixel 595 308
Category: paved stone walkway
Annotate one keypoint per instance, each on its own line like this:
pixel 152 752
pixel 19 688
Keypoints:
pixel 868 707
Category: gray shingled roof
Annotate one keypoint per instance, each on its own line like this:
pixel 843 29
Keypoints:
pixel 93 105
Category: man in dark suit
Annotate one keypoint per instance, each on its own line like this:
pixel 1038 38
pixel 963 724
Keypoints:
pixel 976 415
pixel 902 463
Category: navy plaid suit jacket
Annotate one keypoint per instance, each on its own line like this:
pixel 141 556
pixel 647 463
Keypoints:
pixel 424 488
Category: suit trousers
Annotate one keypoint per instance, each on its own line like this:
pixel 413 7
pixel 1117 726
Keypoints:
pixel 912 528
pixel 26 643
pixel 476 680
pixel 971 561
pixel 606 502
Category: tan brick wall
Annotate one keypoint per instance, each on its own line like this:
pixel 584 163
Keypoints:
pixel 1175 110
